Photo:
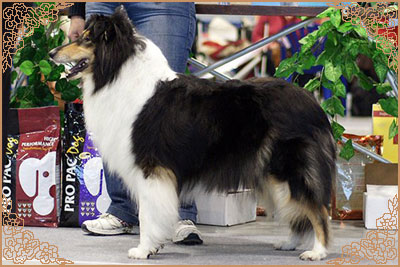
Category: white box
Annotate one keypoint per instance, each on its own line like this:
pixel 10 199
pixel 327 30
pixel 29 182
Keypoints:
pixel 226 209
pixel 376 201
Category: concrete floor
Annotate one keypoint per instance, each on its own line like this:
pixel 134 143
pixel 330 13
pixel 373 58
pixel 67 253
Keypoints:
pixel 250 243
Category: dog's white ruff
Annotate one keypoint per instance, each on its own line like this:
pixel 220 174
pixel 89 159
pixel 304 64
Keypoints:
pixel 109 114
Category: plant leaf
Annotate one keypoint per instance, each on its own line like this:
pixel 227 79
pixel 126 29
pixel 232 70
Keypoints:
pixel 332 72
pixel 41 90
pixel 16 58
pixel 333 106
pixel 313 84
pixel 308 41
pixel 348 70
pixel 337 129
pixel 336 18
pixel 381 70
pixel 383 88
pixel 55 74
pixel 340 89
pixel 22 91
pixel 27 67
pixel 322 58
pixel 325 28
pixel 286 67
pixel 75 82
pixel 361 31
pixel 27 53
pixel 393 129
pixel 347 26
pixel 364 80
pixel 347 151
pixel 61 85
pixel 326 13
pixel 389 105
pixel 309 62
pixel 70 94
pixel 45 67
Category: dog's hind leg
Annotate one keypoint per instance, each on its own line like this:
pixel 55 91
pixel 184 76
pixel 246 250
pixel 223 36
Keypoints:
pixel 158 212
pixel 302 218
pixel 320 223
pixel 286 211
pixel 299 227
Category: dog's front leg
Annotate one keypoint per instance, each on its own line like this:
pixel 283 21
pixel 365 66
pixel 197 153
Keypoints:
pixel 158 212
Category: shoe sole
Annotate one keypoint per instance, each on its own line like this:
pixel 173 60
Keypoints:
pixel 104 232
pixel 191 240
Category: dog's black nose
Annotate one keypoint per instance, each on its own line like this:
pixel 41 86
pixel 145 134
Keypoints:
pixel 53 52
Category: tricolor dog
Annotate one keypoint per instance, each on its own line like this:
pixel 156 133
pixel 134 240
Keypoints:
pixel 177 133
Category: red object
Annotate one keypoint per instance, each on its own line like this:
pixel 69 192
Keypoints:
pixel 276 24
pixel 390 33
pixel 35 163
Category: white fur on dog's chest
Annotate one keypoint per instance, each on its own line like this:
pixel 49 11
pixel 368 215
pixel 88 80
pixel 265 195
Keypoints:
pixel 111 111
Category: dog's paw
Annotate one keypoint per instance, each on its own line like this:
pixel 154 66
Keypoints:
pixel 313 255
pixel 285 245
pixel 139 253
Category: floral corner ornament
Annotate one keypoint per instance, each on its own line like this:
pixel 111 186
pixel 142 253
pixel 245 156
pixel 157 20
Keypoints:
pixel 21 245
pixel 379 21
pixel 21 21
pixel 379 245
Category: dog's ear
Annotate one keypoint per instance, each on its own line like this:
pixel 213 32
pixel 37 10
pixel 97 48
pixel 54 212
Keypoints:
pixel 121 21
pixel 99 27
pixel 120 13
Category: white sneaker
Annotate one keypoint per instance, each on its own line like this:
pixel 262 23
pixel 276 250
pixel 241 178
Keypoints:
pixel 108 224
pixel 187 233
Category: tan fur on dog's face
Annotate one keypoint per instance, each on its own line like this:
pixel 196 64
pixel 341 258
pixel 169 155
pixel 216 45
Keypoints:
pixel 73 52
pixel 80 49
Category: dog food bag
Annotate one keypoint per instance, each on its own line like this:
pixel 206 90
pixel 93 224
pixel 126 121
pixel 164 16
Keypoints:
pixel 347 197
pixel 31 173
pixel 84 192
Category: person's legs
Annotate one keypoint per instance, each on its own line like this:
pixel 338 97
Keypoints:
pixel 172 27
pixel 121 205
pixel 102 8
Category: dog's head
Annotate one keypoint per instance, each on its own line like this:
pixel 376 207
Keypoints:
pixel 106 43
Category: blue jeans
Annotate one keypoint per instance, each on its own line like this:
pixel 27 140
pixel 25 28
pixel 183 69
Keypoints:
pixel 171 26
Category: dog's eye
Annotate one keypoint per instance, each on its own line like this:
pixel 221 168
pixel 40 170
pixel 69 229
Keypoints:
pixel 87 39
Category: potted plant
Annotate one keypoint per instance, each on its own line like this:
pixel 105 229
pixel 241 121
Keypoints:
pixel 344 41
pixel 44 84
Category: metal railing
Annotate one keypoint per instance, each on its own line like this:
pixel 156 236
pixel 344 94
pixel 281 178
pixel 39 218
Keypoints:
pixel 255 46
pixel 211 69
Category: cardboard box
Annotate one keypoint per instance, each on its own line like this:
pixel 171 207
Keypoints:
pixel 376 205
pixel 381 173
pixel 381 186
pixel 226 209
pixel 381 123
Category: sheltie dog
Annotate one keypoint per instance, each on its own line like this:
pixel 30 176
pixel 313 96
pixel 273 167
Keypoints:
pixel 166 133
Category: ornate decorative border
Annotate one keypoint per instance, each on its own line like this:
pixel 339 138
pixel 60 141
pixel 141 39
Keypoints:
pixel 379 245
pixel 385 37
pixel 21 245
pixel 20 21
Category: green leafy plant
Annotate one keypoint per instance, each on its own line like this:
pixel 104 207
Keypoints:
pixel 43 76
pixel 343 44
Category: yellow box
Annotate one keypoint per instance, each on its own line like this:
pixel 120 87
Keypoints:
pixel 381 122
